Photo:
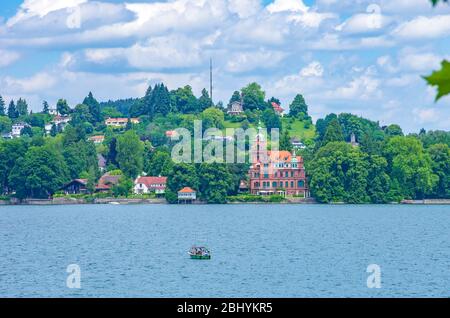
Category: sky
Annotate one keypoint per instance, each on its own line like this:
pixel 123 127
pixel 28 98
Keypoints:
pixel 358 56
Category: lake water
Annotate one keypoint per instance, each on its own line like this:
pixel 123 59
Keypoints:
pixel 258 250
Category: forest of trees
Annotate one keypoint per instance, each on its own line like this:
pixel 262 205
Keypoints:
pixel 387 166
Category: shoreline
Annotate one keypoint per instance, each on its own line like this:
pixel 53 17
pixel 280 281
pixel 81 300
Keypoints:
pixel 113 201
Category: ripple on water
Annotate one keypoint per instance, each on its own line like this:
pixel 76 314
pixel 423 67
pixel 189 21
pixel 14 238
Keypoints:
pixel 258 251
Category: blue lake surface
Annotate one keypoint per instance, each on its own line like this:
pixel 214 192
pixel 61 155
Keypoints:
pixel 258 250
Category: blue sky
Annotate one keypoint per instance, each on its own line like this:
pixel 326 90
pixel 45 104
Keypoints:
pixel 364 57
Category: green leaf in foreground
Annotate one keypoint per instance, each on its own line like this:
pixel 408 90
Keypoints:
pixel 441 79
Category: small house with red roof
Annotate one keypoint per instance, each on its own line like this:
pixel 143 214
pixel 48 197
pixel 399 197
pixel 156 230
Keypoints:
pixel 145 185
pixel 187 195
pixel 172 134
pixel 98 140
pixel 107 182
pixel 277 108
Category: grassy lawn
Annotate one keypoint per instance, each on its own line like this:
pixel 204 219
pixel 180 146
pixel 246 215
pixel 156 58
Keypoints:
pixel 297 129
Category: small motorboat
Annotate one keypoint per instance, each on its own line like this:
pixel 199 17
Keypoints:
pixel 198 252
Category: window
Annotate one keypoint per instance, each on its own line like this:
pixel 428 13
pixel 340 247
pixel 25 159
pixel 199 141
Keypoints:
pixel 286 174
pixel 274 184
pixel 287 184
pixel 292 184
pixel 301 184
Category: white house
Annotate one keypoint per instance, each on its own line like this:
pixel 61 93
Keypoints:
pixel 297 144
pixel 235 108
pixel 121 122
pixel 59 121
pixel 145 185
pixel 17 129
pixel 187 195
pixel 53 111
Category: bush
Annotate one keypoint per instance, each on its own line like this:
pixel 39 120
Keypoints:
pixel 250 198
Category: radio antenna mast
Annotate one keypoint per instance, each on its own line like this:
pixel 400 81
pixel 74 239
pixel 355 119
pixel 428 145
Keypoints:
pixel 211 82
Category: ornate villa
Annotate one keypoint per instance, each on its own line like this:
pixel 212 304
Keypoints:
pixel 276 172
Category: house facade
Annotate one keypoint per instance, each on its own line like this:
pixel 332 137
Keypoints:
pixel 297 144
pixel 187 195
pixel 120 122
pixel 107 182
pixel 98 140
pixel 276 172
pixel 145 185
pixel 236 108
pixel 16 129
pixel 77 186
pixel 59 121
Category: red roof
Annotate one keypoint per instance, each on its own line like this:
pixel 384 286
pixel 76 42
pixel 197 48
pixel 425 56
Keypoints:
pixel 186 190
pixel 97 138
pixel 149 181
pixel 107 181
pixel 277 107
pixel 171 133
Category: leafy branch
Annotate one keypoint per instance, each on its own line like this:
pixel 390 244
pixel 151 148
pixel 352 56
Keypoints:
pixel 440 78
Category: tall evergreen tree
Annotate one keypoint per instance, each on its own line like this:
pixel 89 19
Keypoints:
pixel 12 111
pixel 45 107
pixel 94 108
pixel 22 107
pixel 204 101
pixel 160 101
pixel 2 106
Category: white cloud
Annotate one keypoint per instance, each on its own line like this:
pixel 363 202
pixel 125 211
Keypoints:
pixel 8 57
pixel 33 84
pixel 426 115
pixel 244 8
pixel 364 23
pixel 248 61
pixel 310 19
pixel 287 5
pixel 407 6
pixel 155 53
pixel 40 8
pixel 361 88
pixel 420 61
pixel 314 69
pixel 424 28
